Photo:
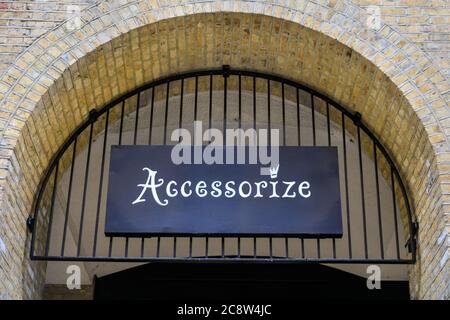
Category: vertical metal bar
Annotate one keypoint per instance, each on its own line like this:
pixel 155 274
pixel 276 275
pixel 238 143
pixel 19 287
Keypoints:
pixel 180 119
pixel 122 113
pixel 69 194
pixel 136 127
pixel 269 125
pixel 196 99
pixel 329 144
pixel 270 248
pixel 286 242
pixel 210 101
pixel 150 129
pixel 318 248
pixel 361 174
pixel 209 127
pixel 174 247
pixel 240 102
pixel 158 246
pixel 254 103
pixel 190 247
pixel 110 246
pixel 380 223
pixel 100 185
pixel 121 122
pixel 142 247
pixel 303 247
pixel 158 241
pixel 283 113
pixel 254 127
pixel 206 247
pixel 328 125
pixel 394 202
pixel 136 123
pixel 299 138
pixel 240 126
pixel 225 96
pixel 151 117
pixel 286 246
pixel 269 139
pixel 52 206
pixel 166 111
pixel 223 247
pixel 344 145
pixel 86 177
pixel 313 119
pixel 239 247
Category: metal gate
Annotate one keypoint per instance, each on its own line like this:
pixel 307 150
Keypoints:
pixel 69 207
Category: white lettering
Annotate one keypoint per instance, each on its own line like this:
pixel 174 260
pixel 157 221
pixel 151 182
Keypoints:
pixel 200 189
pixel 258 188
pixel 183 189
pixel 217 192
pixel 304 186
pixel 168 190
pixel 151 178
pixel 241 191
pixel 217 189
pixel 230 193
pixel 286 194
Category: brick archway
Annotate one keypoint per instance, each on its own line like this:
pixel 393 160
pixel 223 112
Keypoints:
pixel 53 85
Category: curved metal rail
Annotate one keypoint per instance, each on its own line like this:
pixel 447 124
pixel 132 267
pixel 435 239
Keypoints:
pixel 43 247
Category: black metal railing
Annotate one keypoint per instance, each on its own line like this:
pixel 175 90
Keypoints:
pixel 69 207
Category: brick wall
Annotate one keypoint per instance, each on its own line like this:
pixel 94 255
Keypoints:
pixel 424 22
pixel 22 22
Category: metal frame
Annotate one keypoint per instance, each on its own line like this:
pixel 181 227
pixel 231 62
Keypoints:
pixel 225 71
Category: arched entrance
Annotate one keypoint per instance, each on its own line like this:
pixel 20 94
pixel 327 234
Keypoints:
pixel 70 207
pixel 242 40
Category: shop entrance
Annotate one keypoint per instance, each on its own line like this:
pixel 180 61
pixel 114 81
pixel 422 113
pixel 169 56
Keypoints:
pixel 241 282
pixel 68 225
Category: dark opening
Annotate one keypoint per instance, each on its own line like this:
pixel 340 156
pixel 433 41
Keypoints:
pixel 187 282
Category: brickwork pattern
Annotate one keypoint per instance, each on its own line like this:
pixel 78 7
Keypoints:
pixel 423 22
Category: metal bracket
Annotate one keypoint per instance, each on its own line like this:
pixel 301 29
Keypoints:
pixel 30 224
pixel 226 70
pixel 411 243
pixel 93 115
pixel 357 118
pixel 415 228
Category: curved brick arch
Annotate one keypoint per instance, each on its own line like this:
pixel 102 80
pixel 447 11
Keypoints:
pixel 52 85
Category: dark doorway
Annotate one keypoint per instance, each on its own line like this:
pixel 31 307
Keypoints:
pixel 188 281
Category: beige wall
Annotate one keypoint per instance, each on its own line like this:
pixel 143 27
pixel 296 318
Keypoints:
pixel 398 83
pixel 423 22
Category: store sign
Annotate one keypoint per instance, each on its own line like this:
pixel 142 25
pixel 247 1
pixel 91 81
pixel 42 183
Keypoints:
pixel 150 195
